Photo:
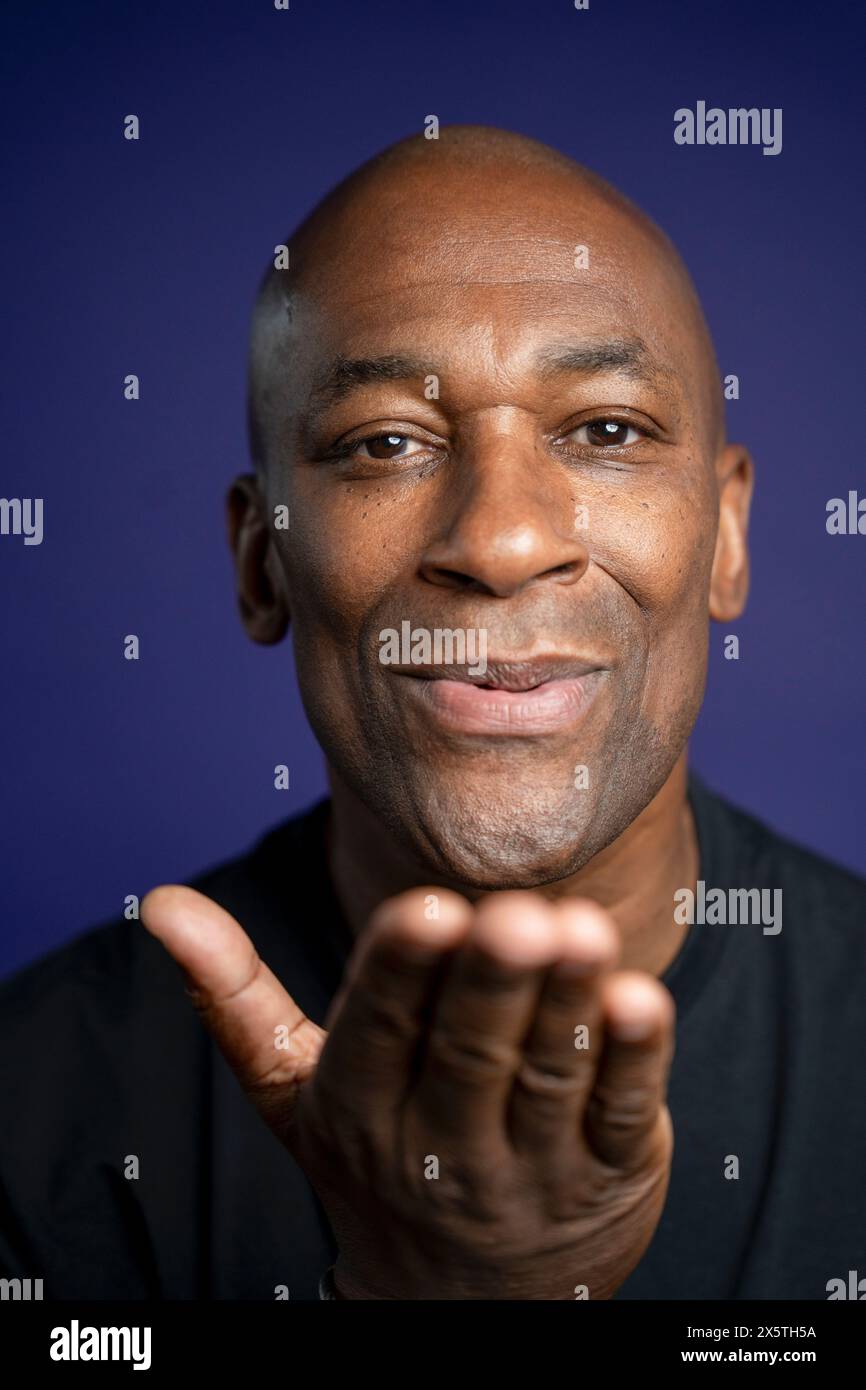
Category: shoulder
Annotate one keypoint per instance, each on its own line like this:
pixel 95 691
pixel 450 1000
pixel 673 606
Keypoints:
pixel 813 880
pixel 821 946
pixel 115 976
pixel 104 1057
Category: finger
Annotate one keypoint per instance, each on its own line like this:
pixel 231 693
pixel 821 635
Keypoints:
pixel 269 1042
pixel 379 1016
pixel 483 1010
pixel 561 1052
pixel 627 1101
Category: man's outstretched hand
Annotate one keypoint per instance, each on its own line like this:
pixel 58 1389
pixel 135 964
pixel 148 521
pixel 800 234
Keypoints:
pixel 485 1115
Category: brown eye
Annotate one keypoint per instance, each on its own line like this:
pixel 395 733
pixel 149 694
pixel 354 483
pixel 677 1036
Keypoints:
pixel 607 433
pixel 384 446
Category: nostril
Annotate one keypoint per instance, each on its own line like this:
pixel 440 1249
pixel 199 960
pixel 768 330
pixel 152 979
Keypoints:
pixel 571 570
pixel 456 579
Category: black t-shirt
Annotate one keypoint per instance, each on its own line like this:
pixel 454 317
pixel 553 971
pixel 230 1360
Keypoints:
pixel 104 1059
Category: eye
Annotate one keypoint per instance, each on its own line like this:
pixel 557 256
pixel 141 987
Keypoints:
pixel 606 433
pixel 386 445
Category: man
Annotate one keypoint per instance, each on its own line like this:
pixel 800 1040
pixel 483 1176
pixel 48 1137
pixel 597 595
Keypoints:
pixel 485 394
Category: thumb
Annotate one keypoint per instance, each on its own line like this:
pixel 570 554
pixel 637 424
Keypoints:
pixel 270 1044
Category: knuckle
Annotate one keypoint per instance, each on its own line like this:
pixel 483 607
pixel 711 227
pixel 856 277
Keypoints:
pixel 548 1080
pixel 624 1107
pixel 469 1056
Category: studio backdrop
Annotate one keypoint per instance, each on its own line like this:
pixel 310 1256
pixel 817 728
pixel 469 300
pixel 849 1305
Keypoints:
pixel 133 250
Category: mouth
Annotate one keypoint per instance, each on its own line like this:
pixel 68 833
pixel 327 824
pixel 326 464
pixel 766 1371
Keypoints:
pixel 512 696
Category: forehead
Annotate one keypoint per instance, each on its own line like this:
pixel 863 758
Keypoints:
pixel 471 271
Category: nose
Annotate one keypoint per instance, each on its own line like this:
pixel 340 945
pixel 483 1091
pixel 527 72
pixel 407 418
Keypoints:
pixel 511 524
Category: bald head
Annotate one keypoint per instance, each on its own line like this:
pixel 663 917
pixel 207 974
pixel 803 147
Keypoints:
pixel 453 206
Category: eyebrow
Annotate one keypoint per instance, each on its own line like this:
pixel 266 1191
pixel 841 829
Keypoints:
pixel 343 375
pixel 628 356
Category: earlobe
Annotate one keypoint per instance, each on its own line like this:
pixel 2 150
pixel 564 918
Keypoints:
pixel 262 599
pixel 729 582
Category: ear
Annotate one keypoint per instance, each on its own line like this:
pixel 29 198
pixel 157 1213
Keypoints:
pixel 729 581
pixel 262 598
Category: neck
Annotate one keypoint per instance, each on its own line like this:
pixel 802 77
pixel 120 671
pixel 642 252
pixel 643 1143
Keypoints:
pixel 634 878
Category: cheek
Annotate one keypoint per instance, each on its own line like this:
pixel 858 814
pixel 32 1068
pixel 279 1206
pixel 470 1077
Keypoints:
pixel 658 545
pixel 659 550
pixel 340 556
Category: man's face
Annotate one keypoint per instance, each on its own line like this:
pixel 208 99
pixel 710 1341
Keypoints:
pixel 559 496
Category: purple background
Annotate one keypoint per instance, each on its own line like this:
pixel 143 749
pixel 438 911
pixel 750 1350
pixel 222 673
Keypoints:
pixel 143 257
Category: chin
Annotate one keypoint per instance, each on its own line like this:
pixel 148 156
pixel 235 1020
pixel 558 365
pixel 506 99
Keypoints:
pixel 525 842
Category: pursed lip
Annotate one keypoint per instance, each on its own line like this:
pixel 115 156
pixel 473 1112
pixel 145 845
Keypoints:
pixel 516 697
pixel 505 673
